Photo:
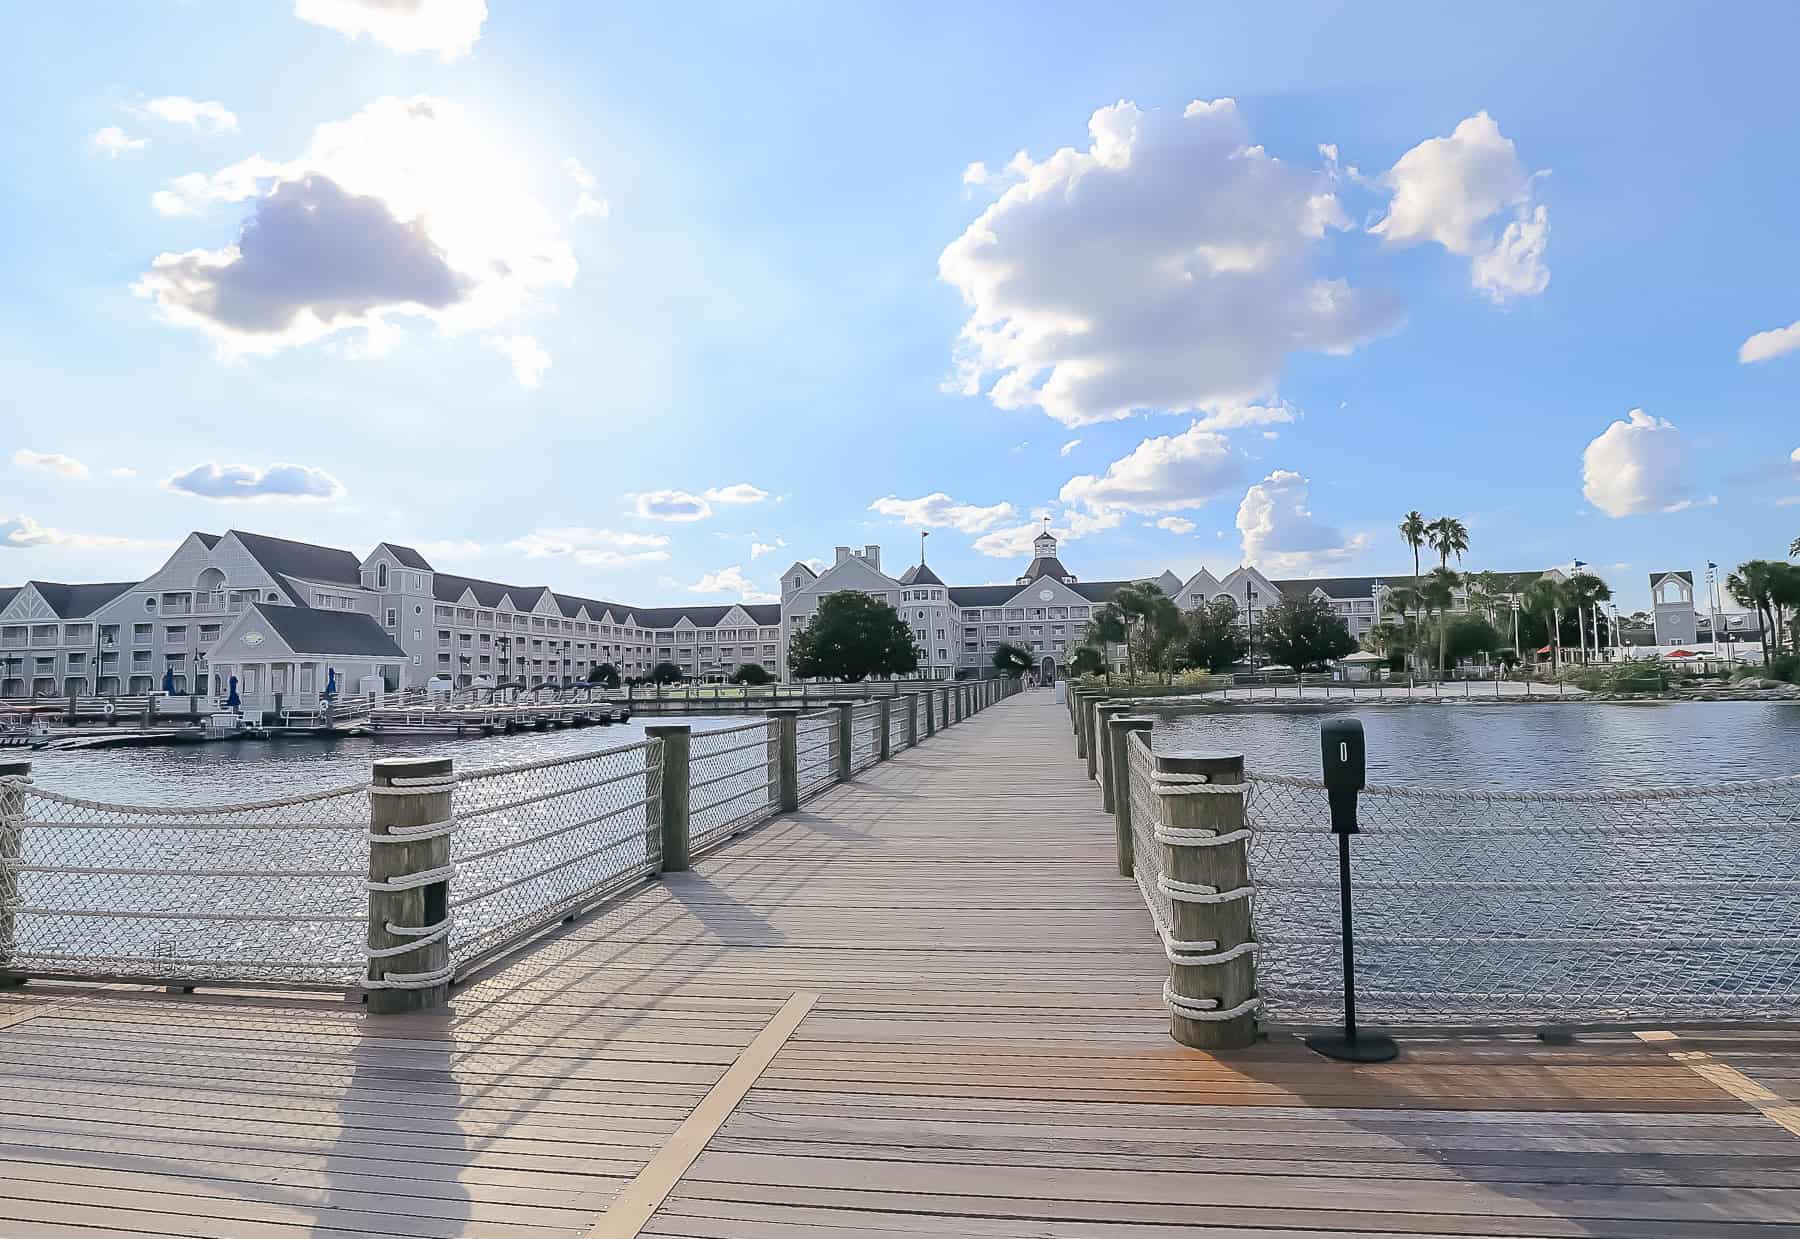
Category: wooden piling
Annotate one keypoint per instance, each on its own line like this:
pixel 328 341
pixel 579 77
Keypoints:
pixel 1104 714
pixel 883 717
pixel 930 707
pixel 1225 923
pixel 1119 741
pixel 397 897
pixel 677 741
pixel 846 734
pixel 1089 716
pixel 912 720
pixel 787 744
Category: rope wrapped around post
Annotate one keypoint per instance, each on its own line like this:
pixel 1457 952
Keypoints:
pixel 410 824
pixel 1211 991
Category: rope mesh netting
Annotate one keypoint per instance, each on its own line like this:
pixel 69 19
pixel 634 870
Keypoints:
pixel 267 890
pixel 540 839
pixel 865 735
pixel 734 781
pixel 815 749
pixel 897 709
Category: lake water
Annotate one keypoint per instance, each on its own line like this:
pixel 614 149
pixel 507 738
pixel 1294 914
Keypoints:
pixel 1498 746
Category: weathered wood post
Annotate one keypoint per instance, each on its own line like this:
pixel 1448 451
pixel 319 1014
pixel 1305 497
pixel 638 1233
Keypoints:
pixel 71 715
pixel 12 852
pixel 1104 714
pixel 677 740
pixel 1078 706
pixel 912 720
pixel 1119 741
pixel 410 819
pixel 930 712
pixel 1089 715
pixel 883 718
pixel 1205 855
pixel 846 737
pixel 787 744
pixel 944 699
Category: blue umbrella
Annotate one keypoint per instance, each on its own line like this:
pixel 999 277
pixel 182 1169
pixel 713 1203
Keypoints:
pixel 330 682
pixel 231 699
pixel 169 681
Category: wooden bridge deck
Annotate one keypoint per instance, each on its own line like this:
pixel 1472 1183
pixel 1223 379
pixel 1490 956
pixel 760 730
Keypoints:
pixel 919 1007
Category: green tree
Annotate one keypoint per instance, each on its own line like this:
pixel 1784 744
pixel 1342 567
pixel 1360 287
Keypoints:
pixel 1408 602
pixel 1388 640
pixel 1303 631
pixel 1436 596
pixel 1412 532
pixel 1090 660
pixel 1012 660
pixel 1583 593
pixel 1794 549
pixel 1108 628
pixel 1213 639
pixel 1544 599
pixel 851 637
pixel 604 674
pixel 666 673
pixel 1448 537
pixel 1752 585
pixel 1152 623
pixel 1468 635
pixel 751 673
pixel 1784 597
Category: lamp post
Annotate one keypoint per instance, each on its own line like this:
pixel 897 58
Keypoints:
pixel 1250 620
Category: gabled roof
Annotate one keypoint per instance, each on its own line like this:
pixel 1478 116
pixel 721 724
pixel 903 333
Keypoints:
pixel 763 614
pixel 446 587
pixel 982 595
pixel 1334 586
pixel 76 601
pixel 210 539
pixel 7 594
pixel 406 557
pixel 280 557
pixel 920 574
pixel 308 630
pixel 1045 565
pixel 1682 575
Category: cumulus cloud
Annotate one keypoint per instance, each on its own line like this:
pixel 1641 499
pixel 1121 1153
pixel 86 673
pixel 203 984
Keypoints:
pixel 732 581
pixel 759 549
pixel 588 203
pixel 407 208
pixel 246 482
pixel 1280 533
pixel 1637 466
pixel 1176 524
pixel 672 505
pixel 1453 190
pixel 1015 541
pixel 1162 474
pixel 50 462
pixel 113 141
pixel 1240 416
pixel 453 549
pixel 23 533
pixel 939 511
pixel 446 27
pixel 594 547
pixel 1068 447
pixel 1168 266
pixel 975 174
pixel 529 358
pixel 209 114
pixel 1768 345
pixel 737 493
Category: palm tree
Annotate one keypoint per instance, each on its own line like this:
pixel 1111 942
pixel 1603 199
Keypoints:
pixel 1412 532
pixel 1794 549
pixel 1545 597
pixel 1784 595
pixel 1750 586
pixel 1406 601
pixel 1585 592
pixel 1150 617
pixel 1107 628
pixel 1438 594
pixel 1448 537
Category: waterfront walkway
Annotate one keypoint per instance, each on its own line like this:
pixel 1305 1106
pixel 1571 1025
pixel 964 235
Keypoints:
pixel 925 1005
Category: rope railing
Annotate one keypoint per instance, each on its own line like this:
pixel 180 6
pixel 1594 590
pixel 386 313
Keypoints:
pixel 1490 907
pixel 734 780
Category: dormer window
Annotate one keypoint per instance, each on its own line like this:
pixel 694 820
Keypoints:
pixel 381 576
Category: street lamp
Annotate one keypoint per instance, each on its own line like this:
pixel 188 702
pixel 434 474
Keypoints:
pixel 1250 620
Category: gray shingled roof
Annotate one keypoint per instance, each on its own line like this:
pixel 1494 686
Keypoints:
pixel 308 630
pixel 210 539
pixel 75 601
pixel 920 574
pixel 7 594
pixel 280 557
pixel 407 557
pixel 1046 565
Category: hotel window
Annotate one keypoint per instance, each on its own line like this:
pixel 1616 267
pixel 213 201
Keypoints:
pixel 140 634
pixel 393 618
pixel 177 634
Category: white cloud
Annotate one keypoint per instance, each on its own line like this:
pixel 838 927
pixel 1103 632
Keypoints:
pixel 1451 190
pixel 23 533
pixel 449 549
pixel 1637 466
pixel 50 462
pixel 1015 541
pixel 1240 416
pixel 1162 474
pixel 594 547
pixel 1169 266
pixel 939 511
pixel 246 482
pixel 529 358
pixel 408 208
pixel 975 174
pixel 1794 460
pixel 731 581
pixel 588 203
pixel 114 141
pixel 672 505
pixel 447 27
pixel 737 493
pixel 209 114
pixel 1176 524
pixel 1068 447
pixel 759 549
pixel 1279 532
pixel 1768 345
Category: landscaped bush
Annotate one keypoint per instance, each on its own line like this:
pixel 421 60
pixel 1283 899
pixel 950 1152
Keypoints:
pixel 1782 667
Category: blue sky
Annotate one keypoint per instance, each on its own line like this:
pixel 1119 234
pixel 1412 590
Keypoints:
pixel 772 295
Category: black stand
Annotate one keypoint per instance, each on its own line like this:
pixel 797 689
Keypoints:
pixel 1351 1047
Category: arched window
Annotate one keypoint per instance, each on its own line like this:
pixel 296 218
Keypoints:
pixel 381 577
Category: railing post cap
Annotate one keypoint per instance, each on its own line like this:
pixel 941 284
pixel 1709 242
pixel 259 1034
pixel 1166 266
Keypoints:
pixel 664 729
pixel 409 767
pixel 1131 722
pixel 1204 761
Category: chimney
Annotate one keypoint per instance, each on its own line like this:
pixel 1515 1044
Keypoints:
pixel 872 554
pixel 843 553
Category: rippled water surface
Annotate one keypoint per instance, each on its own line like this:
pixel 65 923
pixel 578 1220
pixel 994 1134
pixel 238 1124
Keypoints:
pixel 1545 744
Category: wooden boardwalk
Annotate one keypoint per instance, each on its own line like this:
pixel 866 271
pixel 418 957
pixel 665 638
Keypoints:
pixel 926 1006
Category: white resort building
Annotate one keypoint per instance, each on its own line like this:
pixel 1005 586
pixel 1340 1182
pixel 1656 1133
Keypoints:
pixel 289 617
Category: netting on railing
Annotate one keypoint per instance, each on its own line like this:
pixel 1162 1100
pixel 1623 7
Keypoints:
pixel 538 840
pixel 815 748
pixel 897 709
pixel 865 735
pixel 268 890
pixel 734 781
pixel 1472 907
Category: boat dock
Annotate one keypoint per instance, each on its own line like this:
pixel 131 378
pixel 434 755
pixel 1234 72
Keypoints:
pixel 923 1004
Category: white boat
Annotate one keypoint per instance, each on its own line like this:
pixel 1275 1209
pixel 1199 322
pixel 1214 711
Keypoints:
pixel 19 731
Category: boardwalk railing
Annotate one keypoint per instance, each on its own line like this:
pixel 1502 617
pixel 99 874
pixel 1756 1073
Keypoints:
pixel 406 883
pixel 1474 908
